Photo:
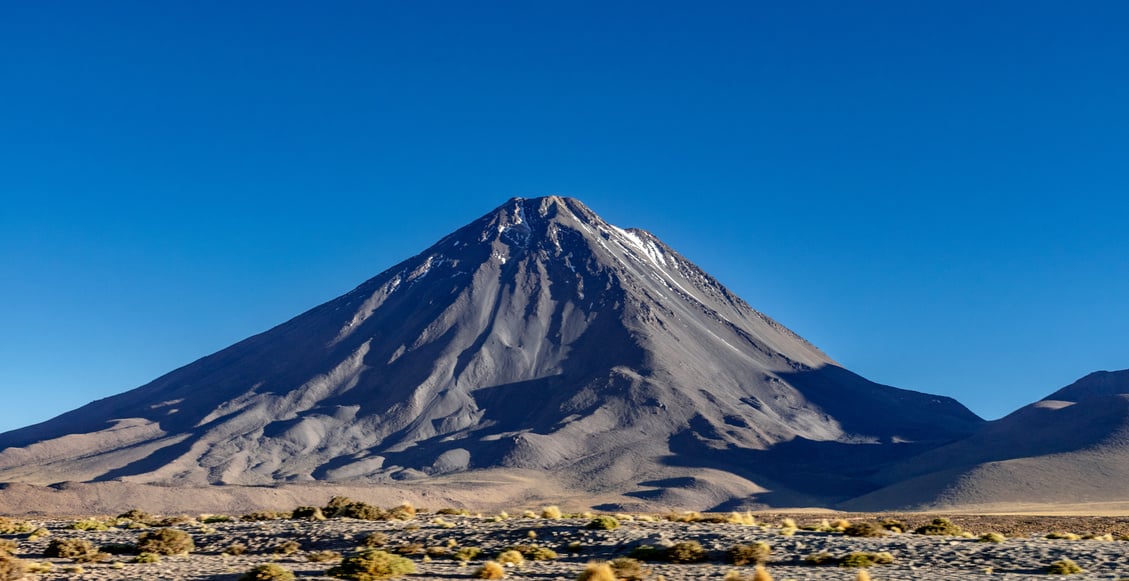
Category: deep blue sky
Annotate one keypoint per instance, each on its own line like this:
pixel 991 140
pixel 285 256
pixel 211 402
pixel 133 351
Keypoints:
pixel 935 193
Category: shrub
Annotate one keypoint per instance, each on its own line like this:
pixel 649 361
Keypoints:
pixel 863 575
pixel 78 550
pixel 745 519
pixel 510 557
pixel 686 552
pixel 403 512
pixel 323 556
pixel 43 567
pixel 756 554
pixel 410 549
pixel 861 559
pixel 467 553
pixel 759 574
pixel 376 540
pixel 628 569
pixel 535 552
pixel 135 515
pixel 597 572
pixel 38 533
pixel 490 570
pixel 147 558
pixel 218 518
pixel 371 565
pixel 551 512
pixel 308 513
pixel 259 516
pixel 1064 567
pixel 269 572
pixel 11 568
pixel 89 524
pixel 165 542
pixel 647 553
pixel 363 511
pixel 788 527
pixel 604 523
pixel 821 558
pixel 992 538
pixel 8 546
pixel 453 512
pixel 13 527
pixel 1059 535
pixel 895 526
pixel 235 549
pixel 286 548
pixel 940 526
pixel 865 529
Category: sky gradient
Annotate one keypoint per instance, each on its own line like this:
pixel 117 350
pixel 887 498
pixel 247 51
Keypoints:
pixel 935 194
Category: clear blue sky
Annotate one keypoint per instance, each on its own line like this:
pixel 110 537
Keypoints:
pixel 935 193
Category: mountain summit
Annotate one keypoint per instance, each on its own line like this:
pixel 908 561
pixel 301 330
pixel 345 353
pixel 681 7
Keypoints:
pixel 536 337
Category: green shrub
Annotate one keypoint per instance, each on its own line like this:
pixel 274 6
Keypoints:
pixel 147 558
pixel 755 554
pixel 551 512
pixel 11 568
pixel 89 524
pixel 269 572
pixel 861 559
pixel 1064 567
pixel 604 522
pixel 165 542
pixel 940 526
pixel 865 529
pixel 992 538
pixel 490 570
pixel 821 558
pixel 371 565
pixel 686 552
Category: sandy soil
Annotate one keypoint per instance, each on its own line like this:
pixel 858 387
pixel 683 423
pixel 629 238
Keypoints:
pixel 915 556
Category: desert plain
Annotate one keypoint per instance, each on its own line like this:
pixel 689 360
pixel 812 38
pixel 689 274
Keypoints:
pixel 455 543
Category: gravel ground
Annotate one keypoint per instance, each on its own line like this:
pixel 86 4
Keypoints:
pixel 916 556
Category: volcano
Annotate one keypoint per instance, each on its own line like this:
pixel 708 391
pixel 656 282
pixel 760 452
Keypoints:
pixel 538 337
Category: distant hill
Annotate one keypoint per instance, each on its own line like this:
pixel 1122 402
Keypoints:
pixel 1070 447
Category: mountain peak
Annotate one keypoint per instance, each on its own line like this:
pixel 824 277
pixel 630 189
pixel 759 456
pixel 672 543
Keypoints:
pixel 539 336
